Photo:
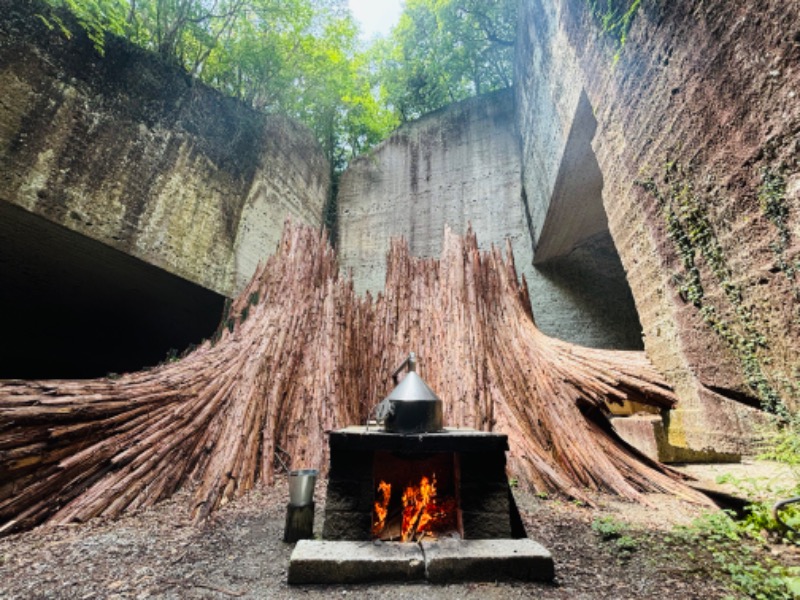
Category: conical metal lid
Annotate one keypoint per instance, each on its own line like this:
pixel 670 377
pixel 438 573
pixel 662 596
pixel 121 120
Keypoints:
pixel 412 388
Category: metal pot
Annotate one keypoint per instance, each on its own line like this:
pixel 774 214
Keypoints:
pixel 411 407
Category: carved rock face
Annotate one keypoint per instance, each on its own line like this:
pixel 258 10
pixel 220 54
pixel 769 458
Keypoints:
pixel 707 235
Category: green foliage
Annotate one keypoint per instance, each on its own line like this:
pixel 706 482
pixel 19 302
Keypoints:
pixel 303 58
pixel 171 357
pixel 783 441
pixel 696 245
pixel 52 21
pixel 736 549
pixel 96 17
pixel 607 528
pixel 225 322
pixel 626 545
pixel 758 519
pixel 296 57
pixel 772 199
pixel 614 18
pixel 611 530
pixel 443 51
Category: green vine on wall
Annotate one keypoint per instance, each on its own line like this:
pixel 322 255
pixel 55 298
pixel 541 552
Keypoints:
pixel 772 198
pixel 614 18
pixel 696 243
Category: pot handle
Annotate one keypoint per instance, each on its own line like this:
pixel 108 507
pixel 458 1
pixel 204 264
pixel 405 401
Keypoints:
pixel 410 362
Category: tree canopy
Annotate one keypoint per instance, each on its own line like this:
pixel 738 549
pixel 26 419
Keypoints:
pixel 304 58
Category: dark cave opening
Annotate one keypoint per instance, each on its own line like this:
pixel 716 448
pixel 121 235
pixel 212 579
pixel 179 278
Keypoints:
pixel 75 308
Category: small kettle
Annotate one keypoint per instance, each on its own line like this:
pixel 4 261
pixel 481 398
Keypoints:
pixel 411 407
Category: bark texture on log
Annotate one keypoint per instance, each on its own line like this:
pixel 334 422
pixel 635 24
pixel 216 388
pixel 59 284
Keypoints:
pixel 299 354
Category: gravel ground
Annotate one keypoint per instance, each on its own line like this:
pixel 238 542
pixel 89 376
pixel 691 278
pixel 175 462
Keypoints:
pixel 157 553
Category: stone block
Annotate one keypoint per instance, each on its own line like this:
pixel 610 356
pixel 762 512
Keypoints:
pixel 486 526
pixel 640 432
pixel 347 525
pixel 344 495
pixel 355 562
pixel 487 560
pixel 647 434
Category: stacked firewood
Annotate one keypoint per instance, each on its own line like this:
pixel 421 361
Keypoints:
pixel 298 354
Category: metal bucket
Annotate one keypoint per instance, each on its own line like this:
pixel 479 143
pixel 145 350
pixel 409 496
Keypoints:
pixel 301 486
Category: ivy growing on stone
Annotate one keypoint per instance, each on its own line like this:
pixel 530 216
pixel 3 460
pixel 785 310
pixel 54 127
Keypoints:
pixel 696 243
pixel 614 17
pixel 772 198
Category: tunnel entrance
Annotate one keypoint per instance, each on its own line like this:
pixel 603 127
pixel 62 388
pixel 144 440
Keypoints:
pixel 72 307
pixel 575 251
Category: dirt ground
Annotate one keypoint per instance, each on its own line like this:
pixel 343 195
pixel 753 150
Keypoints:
pixel 157 553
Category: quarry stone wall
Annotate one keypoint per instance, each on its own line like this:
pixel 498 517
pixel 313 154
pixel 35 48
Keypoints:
pixel 698 142
pixel 458 166
pixel 130 152
pixel 650 187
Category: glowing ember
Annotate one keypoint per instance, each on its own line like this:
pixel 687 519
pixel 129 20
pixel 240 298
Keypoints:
pixel 422 512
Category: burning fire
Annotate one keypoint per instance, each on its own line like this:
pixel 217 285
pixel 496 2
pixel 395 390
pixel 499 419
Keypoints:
pixel 382 507
pixel 422 512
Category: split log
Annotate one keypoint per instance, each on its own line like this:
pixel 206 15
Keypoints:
pixel 300 354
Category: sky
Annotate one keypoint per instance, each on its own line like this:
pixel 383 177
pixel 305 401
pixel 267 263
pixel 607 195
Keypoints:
pixel 375 16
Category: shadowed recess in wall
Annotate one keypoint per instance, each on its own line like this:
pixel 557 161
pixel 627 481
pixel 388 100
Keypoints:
pixel 575 251
pixel 73 307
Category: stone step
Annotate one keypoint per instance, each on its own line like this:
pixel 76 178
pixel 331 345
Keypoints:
pixel 314 561
pixel 647 434
pixel 448 561
pixel 443 561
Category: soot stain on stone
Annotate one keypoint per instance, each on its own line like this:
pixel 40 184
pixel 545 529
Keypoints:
pixel 414 166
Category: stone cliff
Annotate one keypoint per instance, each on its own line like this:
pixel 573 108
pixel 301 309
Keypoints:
pixel 461 165
pixel 127 151
pixel 648 180
pixel 119 172
pixel 697 142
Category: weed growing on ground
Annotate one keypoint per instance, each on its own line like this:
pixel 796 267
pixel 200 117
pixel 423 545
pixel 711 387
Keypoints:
pixel 783 441
pixel 607 528
pixel 738 552
pixel 737 545
pixel 758 519
pixel 611 530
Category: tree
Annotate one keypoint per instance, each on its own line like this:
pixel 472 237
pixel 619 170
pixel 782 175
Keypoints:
pixel 302 57
pixel 442 51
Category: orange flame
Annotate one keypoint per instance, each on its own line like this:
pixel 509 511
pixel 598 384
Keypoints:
pixel 382 507
pixel 422 513
pixel 415 504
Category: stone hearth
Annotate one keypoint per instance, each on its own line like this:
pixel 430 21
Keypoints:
pixel 489 543
pixel 477 477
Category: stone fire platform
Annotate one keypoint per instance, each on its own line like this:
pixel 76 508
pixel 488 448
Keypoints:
pixel 441 561
pixel 487 506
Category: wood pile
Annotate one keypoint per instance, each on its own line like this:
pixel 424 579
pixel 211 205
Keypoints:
pixel 300 354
